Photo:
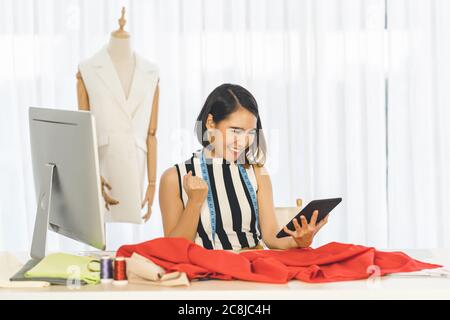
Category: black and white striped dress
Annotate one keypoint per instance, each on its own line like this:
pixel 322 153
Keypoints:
pixel 236 226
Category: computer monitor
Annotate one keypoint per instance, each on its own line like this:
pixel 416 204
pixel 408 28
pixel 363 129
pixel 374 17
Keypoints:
pixel 66 178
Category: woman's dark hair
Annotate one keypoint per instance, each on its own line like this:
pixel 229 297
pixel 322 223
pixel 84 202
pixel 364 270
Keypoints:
pixel 221 102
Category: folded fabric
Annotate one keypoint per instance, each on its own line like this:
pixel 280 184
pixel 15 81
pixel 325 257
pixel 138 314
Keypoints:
pixel 24 284
pixel 143 271
pixel 437 272
pixel 331 262
pixel 66 266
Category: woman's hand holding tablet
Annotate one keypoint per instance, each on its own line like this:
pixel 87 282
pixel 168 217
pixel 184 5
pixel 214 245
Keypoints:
pixel 309 221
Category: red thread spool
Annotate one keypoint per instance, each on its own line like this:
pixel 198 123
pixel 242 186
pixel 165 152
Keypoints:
pixel 120 271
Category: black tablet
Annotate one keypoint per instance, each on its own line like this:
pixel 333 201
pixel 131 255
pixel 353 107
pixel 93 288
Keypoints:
pixel 324 206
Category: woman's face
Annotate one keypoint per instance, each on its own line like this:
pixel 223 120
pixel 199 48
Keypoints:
pixel 231 136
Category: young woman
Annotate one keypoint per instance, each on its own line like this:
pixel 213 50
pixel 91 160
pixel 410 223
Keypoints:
pixel 221 198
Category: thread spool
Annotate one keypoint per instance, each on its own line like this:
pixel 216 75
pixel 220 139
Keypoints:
pixel 120 271
pixel 106 269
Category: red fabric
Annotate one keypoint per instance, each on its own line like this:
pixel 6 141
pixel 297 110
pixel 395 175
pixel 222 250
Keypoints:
pixel 331 262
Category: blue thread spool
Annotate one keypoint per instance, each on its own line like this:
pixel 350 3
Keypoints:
pixel 106 270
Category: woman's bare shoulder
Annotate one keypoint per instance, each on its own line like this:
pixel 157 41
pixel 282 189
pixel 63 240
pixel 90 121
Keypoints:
pixel 169 177
pixel 260 170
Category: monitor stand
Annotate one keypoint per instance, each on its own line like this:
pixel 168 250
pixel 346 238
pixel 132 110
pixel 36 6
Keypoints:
pixel 39 243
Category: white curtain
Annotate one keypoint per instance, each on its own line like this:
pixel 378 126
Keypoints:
pixel 418 117
pixel 352 98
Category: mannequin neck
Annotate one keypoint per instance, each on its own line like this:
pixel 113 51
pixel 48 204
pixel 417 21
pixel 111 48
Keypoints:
pixel 120 49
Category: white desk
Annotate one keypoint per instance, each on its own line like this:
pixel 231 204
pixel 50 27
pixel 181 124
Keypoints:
pixel 388 287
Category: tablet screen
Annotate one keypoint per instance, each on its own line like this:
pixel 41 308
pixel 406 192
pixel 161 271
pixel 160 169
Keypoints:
pixel 324 206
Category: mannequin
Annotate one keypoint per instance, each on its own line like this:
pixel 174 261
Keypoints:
pixel 121 89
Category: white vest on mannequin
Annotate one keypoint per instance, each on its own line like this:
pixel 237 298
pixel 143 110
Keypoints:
pixel 120 86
